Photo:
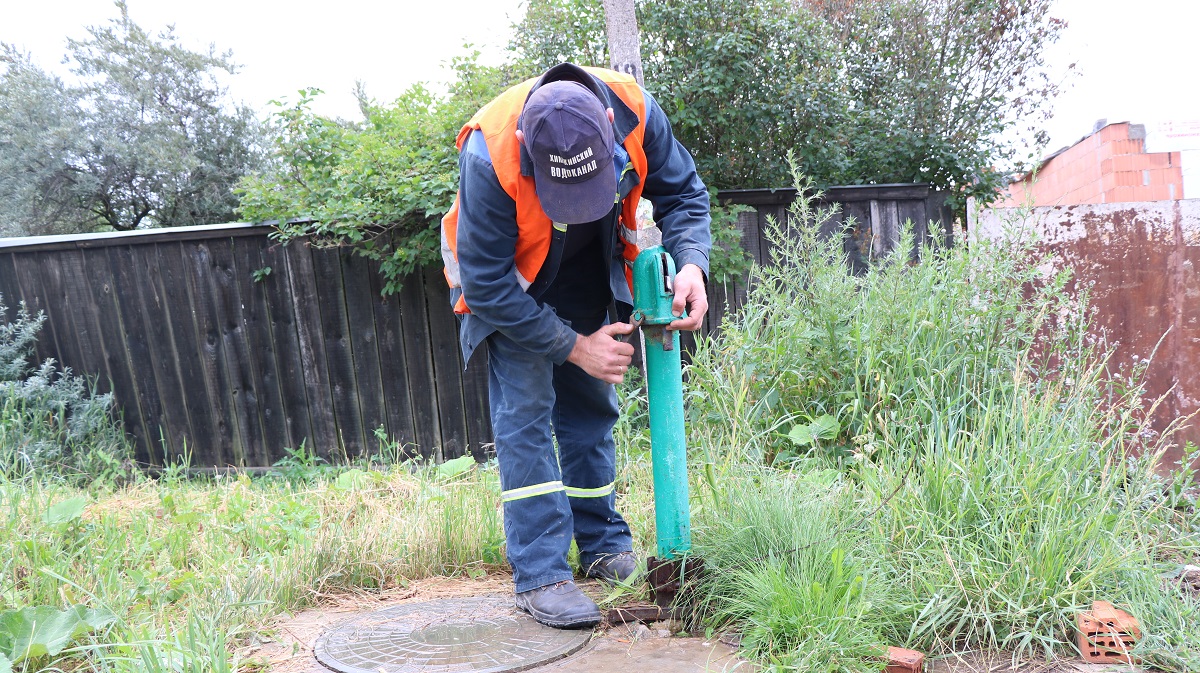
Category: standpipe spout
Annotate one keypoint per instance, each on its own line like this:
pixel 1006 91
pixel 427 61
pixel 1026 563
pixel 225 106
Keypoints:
pixel 653 292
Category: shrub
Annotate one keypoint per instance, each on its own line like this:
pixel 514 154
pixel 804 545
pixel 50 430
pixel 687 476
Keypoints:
pixel 380 185
pixel 51 422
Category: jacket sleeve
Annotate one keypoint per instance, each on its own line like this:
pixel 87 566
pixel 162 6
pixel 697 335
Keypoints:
pixel 487 243
pixel 680 198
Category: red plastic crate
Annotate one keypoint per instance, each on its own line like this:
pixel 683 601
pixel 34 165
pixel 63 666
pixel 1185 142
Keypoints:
pixel 1106 634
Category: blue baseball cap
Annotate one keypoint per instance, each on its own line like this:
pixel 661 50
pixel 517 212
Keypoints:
pixel 570 139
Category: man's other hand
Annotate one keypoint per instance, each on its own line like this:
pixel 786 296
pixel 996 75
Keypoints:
pixel 601 355
pixel 689 293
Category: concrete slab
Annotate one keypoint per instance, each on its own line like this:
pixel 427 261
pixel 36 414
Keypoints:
pixel 636 648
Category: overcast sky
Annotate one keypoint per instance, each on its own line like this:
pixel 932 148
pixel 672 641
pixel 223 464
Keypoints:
pixel 1135 61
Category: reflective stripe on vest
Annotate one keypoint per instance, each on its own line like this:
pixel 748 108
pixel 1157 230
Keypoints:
pixel 498 122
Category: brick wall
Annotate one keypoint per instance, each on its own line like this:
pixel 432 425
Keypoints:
pixel 1109 166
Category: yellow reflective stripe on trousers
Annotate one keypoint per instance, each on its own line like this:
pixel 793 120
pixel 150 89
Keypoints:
pixel 530 491
pixel 573 492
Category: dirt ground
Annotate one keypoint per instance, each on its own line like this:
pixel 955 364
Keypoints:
pixel 613 649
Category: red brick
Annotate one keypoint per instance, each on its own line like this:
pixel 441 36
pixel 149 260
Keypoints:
pixel 1122 147
pixel 1089 194
pixel 1129 178
pixel 1141 193
pixel 1106 634
pixel 1165 176
pixel 1127 162
pixel 1119 194
pixel 1175 159
pixel 904 661
pixel 1114 132
pixel 1156 193
pixel 1159 159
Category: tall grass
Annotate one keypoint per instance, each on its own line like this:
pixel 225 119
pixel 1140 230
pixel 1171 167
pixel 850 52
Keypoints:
pixel 981 459
pixel 190 568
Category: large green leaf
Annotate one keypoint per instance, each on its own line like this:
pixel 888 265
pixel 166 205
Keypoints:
pixel 66 511
pixel 40 631
pixel 455 466
pixel 823 428
pixel 5 664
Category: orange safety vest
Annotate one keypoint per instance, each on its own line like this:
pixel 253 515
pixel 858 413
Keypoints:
pixel 498 122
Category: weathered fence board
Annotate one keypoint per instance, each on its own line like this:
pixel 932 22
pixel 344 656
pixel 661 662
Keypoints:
pixel 393 363
pixel 281 331
pixel 339 356
pixel 311 345
pixel 419 356
pixel 447 366
pixel 205 358
pixel 182 347
pixel 360 319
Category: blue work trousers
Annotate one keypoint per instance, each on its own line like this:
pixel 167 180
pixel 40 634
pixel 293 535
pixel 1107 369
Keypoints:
pixel 551 496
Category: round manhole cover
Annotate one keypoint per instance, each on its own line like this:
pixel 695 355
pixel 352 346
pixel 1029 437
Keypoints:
pixel 461 635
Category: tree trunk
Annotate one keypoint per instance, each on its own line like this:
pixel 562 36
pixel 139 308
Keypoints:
pixel 624 43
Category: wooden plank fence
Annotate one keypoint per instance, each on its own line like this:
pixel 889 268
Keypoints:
pixel 204 358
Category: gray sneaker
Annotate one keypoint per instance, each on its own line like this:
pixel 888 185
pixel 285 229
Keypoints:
pixel 561 605
pixel 614 568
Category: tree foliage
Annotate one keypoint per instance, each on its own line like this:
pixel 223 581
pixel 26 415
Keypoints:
pixel 380 185
pixel 864 91
pixel 939 88
pixel 146 137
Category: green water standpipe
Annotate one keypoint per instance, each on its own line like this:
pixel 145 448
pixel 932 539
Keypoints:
pixel 653 292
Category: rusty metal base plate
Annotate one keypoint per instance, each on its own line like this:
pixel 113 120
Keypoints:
pixel 460 635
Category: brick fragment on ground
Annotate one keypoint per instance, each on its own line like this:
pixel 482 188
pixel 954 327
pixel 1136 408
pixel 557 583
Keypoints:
pixel 1106 634
pixel 901 660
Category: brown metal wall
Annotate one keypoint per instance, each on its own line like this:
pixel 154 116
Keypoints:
pixel 1141 264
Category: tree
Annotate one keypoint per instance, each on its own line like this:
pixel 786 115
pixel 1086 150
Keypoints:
pixel 863 91
pixel 939 86
pixel 556 31
pixel 41 133
pixel 621 28
pixel 146 138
